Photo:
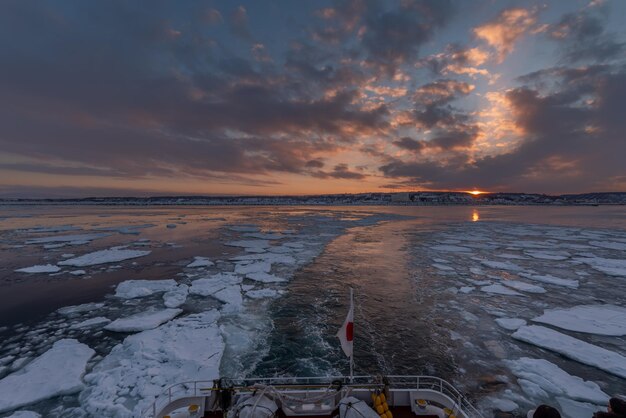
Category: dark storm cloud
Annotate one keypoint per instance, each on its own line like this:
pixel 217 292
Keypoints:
pixel 394 37
pixel 139 92
pixel 584 36
pixel 409 144
pixel 452 127
pixel 571 144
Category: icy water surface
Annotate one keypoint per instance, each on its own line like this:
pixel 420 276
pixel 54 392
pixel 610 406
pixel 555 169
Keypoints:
pixel 457 292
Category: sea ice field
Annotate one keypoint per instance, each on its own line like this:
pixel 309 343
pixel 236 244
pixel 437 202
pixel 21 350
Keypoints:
pixel 103 308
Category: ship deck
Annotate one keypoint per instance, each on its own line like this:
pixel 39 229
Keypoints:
pixel 397 411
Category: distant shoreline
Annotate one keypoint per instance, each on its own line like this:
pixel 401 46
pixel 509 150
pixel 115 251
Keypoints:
pixel 361 199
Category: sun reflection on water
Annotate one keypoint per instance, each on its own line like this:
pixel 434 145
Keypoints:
pixel 475 216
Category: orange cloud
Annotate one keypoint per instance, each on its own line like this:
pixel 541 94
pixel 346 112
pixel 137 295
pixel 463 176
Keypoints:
pixel 503 32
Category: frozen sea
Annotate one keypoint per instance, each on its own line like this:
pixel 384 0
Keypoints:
pixel 102 308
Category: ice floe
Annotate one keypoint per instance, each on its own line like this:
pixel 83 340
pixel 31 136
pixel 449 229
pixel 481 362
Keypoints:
pixel 143 320
pixel 523 286
pixel 548 255
pixel 200 262
pixel 210 285
pixel 45 268
pixel 103 257
pixel 573 348
pixel 77 309
pixel 510 323
pixel 619 246
pixel 78 272
pixel 176 297
pixel 82 238
pixel 451 248
pixel 546 278
pixel 501 265
pixel 264 277
pixel 58 371
pixel 91 323
pixel 255 267
pixel 500 290
pixel 135 372
pixel 553 380
pixel 609 266
pixel 574 409
pixel 131 289
pixel 591 319
pixel 262 293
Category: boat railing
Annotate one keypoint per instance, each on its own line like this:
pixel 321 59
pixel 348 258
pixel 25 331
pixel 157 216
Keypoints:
pixel 204 387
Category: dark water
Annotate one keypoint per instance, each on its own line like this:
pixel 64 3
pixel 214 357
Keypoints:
pixel 403 320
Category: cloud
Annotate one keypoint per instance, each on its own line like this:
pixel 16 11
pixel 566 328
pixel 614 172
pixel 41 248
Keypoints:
pixel 573 140
pixel 584 35
pixel 409 144
pixel 457 60
pixel 340 171
pixel 239 23
pixel 506 29
pixel 394 37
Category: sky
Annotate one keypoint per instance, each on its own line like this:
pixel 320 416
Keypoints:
pixel 120 98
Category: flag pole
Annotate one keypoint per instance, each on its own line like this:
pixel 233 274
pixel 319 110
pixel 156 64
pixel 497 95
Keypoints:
pixel 352 354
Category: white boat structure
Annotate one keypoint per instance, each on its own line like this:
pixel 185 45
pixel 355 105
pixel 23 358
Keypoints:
pixel 315 397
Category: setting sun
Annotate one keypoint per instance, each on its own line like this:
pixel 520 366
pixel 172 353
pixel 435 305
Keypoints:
pixel 476 192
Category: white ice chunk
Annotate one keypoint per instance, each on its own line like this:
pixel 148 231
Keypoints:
pixel 466 289
pixel 609 266
pixel 143 320
pixel 575 409
pixel 510 323
pixel 91 323
pixel 200 262
pixel 131 289
pixel 501 265
pixel 83 238
pixel 256 267
pixel 500 290
pixel 231 296
pixel 210 285
pixel 136 371
pixel 45 268
pixel 78 272
pixel 592 319
pixel 548 255
pixel 523 286
pixel 262 293
pixel 573 348
pixel 556 381
pixel 504 405
pixel 103 257
pixel 620 246
pixel 56 372
pixel 76 309
pixel 264 277
pixel 546 278
pixel 176 297
pixel 442 267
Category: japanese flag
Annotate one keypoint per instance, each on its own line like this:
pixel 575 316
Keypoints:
pixel 346 332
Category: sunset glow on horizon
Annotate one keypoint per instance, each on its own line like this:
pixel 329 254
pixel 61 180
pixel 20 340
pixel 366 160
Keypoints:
pixel 335 96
